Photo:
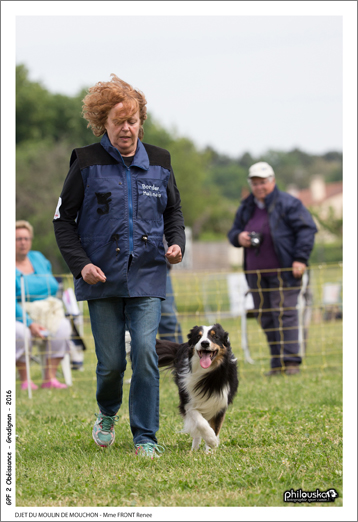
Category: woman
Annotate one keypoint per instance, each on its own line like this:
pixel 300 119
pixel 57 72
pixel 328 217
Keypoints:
pixel 39 284
pixel 119 198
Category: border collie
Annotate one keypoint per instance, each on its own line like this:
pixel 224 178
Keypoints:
pixel 205 371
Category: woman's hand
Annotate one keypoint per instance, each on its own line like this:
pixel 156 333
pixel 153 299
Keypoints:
pixel 92 274
pixel 36 330
pixel 174 255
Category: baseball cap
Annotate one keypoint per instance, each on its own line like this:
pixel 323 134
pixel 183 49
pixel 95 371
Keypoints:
pixel 261 170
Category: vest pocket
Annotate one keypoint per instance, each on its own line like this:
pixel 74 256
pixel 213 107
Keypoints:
pixel 150 254
pixel 103 254
pixel 152 199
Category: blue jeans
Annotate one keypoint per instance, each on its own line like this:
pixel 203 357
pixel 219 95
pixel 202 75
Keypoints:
pixel 169 326
pixel 109 318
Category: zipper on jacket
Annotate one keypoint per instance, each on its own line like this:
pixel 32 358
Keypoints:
pixel 130 210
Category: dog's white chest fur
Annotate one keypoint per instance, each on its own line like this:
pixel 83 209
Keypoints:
pixel 207 406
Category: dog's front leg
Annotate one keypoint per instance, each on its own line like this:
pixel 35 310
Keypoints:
pixel 196 425
pixel 196 443
pixel 216 424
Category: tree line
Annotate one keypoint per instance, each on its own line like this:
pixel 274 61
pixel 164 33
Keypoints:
pixel 49 126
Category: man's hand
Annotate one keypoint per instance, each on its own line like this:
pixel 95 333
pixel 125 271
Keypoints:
pixel 298 269
pixel 244 239
pixel 91 274
pixel 174 255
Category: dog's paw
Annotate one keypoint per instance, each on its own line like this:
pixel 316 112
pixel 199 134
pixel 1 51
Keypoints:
pixel 212 441
pixel 196 443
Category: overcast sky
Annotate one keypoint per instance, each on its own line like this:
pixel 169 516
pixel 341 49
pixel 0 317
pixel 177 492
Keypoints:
pixel 236 83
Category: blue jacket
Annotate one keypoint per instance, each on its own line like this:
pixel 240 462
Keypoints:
pixel 291 225
pixel 118 220
pixel 39 285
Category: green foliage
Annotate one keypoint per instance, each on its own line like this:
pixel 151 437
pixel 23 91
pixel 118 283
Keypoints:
pixel 41 115
pixel 34 110
pixel 327 252
pixel 329 222
pixel 41 167
pixel 155 134
pixel 229 178
pixel 297 167
pixel 215 220
pixel 190 172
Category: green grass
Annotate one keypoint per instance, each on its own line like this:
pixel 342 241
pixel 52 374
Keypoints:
pixel 280 434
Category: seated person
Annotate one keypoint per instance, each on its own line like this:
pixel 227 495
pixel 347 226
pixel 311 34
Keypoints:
pixel 39 284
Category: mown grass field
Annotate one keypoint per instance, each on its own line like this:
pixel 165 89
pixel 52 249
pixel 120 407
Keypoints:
pixel 280 434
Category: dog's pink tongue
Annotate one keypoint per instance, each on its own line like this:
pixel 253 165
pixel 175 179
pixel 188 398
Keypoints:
pixel 205 360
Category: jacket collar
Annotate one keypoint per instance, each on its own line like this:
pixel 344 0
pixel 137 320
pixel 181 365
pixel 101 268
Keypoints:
pixel 140 159
pixel 270 199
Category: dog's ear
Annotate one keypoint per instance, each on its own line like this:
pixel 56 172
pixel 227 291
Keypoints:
pixel 192 334
pixel 224 336
pixel 226 339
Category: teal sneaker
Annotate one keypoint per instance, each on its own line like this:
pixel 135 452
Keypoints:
pixel 148 449
pixel 103 430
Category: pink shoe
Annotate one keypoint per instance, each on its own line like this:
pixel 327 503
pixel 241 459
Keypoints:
pixel 53 383
pixel 32 384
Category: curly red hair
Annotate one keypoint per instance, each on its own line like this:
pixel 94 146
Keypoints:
pixel 103 96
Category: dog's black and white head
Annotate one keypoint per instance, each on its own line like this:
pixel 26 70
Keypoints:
pixel 210 344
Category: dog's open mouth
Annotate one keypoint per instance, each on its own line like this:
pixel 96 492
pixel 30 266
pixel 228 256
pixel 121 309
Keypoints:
pixel 207 357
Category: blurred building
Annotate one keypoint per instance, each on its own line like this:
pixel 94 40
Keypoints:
pixel 326 199
pixel 321 196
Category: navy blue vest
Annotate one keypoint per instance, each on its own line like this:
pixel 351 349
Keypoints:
pixel 120 223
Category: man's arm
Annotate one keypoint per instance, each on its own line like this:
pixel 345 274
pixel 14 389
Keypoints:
pixel 236 230
pixel 304 229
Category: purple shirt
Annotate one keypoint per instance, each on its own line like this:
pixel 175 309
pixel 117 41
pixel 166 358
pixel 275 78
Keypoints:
pixel 266 257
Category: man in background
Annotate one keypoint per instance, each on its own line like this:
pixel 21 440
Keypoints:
pixel 277 234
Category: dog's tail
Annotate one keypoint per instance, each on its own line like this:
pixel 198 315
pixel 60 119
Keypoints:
pixel 166 351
